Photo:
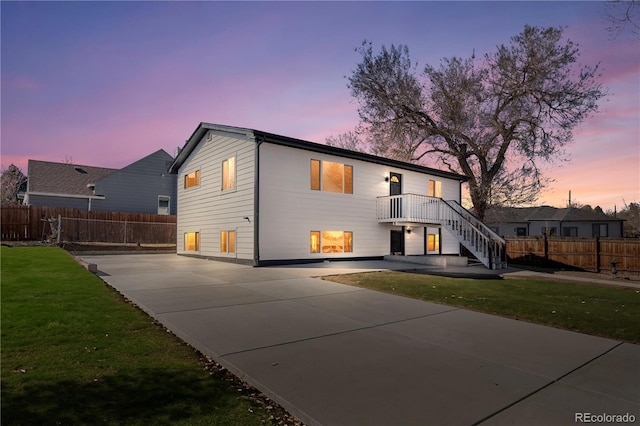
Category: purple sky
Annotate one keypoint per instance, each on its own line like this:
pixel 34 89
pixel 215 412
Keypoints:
pixel 106 83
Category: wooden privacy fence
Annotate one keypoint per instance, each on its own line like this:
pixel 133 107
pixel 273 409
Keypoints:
pixel 590 254
pixel 24 223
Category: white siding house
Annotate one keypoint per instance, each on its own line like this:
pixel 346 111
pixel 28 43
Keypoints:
pixel 258 198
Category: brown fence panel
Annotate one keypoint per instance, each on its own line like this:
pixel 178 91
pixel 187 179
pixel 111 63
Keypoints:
pixel 526 250
pixel 16 223
pixel 21 223
pixel 590 254
pixel 578 253
pixel 625 251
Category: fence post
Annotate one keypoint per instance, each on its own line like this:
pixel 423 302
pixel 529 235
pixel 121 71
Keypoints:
pixel 546 250
pixel 125 232
pixel 597 254
pixel 59 228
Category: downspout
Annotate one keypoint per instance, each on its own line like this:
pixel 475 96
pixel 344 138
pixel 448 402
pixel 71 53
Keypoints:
pixel 256 205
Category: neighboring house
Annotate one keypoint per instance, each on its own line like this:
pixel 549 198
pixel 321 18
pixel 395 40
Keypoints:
pixel 258 198
pixel 552 221
pixel 144 186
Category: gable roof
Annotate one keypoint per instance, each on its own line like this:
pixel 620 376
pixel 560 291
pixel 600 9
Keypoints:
pixel 261 136
pixel 45 177
pixel 542 213
pixel 157 157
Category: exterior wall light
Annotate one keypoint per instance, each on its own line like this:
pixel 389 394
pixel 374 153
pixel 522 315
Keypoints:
pixel 386 178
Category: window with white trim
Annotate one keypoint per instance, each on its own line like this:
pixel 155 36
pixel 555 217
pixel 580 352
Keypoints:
pixel 331 177
pixel 331 242
pixel 192 241
pixel 192 179
pixel 227 241
pixel 435 188
pixel 229 174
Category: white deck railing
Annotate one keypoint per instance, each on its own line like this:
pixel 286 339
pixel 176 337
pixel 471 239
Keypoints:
pixel 479 239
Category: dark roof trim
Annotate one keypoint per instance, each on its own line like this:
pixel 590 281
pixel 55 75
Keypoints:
pixel 197 135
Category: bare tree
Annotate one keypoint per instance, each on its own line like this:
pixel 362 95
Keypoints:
pixel 12 181
pixel 492 120
pixel 350 140
pixel 623 17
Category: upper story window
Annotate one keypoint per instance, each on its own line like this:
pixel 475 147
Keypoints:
pixel 331 177
pixel 435 188
pixel 192 179
pixel 229 174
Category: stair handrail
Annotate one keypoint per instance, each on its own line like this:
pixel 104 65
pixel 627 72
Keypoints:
pixel 466 222
pixel 485 228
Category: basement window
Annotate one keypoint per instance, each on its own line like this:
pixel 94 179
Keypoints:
pixel 192 241
pixel 227 241
pixel 331 242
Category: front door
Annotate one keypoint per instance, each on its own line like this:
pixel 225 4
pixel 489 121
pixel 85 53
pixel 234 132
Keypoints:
pixel 395 188
pixel 397 242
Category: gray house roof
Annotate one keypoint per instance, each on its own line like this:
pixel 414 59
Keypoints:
pixel 544 213
pixel 62 178
pixel 261 136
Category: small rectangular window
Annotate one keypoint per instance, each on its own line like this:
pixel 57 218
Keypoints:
pixel 600 230
pixel 192 179
pixel 192 241
pixel 521 231
pixel 570 231
pixel 163 204
pixel 315 175
pixel 227 241
pixel 435 188
pixel 314 242
pixel 229 174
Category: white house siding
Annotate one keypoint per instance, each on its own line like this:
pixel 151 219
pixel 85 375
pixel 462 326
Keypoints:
pixel 290 210
pixel 206 208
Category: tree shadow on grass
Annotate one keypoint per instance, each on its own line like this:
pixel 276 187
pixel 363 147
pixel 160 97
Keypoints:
pixel 151 397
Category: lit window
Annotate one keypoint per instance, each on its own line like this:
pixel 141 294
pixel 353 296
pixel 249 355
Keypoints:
pixel 435 188
pixel 314 242
pixel 348 242
pixel 331 242
pixel 227 241
pixel 433 242
pixel 229 174
pixel 331 177
pixel 315 175
pixel 192 179
pixel 192 241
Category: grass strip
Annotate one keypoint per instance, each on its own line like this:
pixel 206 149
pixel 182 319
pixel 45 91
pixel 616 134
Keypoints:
pixel 75 352
pixel 599 310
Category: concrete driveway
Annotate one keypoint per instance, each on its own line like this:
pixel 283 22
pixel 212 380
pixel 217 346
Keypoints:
pixel 333 354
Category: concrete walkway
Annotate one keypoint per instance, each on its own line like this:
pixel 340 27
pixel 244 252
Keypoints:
pixel 333 354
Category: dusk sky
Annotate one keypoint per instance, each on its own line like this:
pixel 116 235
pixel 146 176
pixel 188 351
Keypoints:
pixel 107 83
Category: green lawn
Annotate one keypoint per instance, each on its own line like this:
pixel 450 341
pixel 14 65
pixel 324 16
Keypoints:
pixel 593 309
pixel 75 352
